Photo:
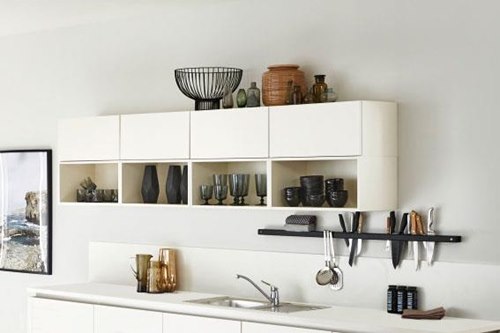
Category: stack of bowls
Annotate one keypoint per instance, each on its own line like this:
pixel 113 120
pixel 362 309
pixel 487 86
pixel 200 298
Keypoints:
pixel 313 191
pixel 336 196
pixel 292 196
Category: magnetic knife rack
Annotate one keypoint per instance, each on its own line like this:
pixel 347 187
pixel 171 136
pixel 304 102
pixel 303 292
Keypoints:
pixel 364 235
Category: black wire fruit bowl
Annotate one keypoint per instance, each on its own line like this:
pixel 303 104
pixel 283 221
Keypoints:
pixel 206 84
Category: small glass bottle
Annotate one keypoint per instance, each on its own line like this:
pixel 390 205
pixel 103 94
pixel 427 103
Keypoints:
pixel 319 88
pixel 253 95
pixel 331 96
pixel 297 95
pixel 227 100
pixel 411 298
pixel 401 299
pixel 241 98
pixel 391 299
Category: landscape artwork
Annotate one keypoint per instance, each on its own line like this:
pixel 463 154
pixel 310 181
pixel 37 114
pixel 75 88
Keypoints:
pixel 26 211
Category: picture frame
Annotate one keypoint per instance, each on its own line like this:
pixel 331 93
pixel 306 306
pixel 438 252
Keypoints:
pixel 26 211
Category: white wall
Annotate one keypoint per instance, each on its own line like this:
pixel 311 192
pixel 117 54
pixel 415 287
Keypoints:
pixel 438 59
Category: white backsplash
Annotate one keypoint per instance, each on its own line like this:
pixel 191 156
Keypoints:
pixel 457 287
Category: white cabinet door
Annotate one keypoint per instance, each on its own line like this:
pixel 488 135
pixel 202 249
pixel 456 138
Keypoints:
pixel 155 136
pixel 235 133
pixel 266 328
pixel 89 139
pixel 110 319
pixel 51 316
pixel 315 130
pixel 174 323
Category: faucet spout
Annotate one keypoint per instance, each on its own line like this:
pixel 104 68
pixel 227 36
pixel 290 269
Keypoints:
pixel 273 297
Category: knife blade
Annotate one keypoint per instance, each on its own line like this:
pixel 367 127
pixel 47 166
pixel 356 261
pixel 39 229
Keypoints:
pixel 408 232
pixel 353 243
pixel 344 229
pixel 431 232
pixel 414 231
pixel 360 230
pixel 397 246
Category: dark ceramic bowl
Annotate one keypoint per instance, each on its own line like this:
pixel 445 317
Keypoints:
pixel 314 200
pixel 337 198
pixel 291 195
pixel 334 184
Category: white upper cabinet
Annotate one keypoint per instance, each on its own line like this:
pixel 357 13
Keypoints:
pixel 51 316
pixel 89 139
pixel 175 323
pixel 155 136
pixel 316 130
pixel 234 133
pixel 121 320
pixel 266 328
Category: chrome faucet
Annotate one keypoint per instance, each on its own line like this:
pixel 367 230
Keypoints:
pixel 273 297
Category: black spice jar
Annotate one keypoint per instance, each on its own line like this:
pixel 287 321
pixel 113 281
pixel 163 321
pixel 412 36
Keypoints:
pixel 392 299
pixel 401 299
pixel 411 298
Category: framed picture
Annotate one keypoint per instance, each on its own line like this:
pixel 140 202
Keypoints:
pixel 26 211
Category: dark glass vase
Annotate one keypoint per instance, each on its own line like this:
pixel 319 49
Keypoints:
pixel 173 187
pixel 150 186
pixel 184 185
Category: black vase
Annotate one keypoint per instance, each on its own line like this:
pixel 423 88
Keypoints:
pixel 174 178
pixel 184 185
pixel 150 186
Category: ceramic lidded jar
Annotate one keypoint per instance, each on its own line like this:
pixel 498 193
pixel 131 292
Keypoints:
pixel 275 80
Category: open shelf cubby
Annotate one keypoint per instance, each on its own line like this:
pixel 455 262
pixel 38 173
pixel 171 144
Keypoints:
pixel 104 175
pixel 287 173
pixel 202 174
pixel 132 176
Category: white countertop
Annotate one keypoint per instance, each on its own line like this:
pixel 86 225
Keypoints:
pixel 341 319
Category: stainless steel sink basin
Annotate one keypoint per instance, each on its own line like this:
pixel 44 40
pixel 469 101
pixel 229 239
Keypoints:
pixel 230 302
pixel 235 302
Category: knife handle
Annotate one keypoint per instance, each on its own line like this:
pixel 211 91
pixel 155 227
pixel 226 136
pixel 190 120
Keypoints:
pixel 360 223
pixel 420 226
pixel 413 223
pixel 388 229
pixel 404 223
pixel 344 229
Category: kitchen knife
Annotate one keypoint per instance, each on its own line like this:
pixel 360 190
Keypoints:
pixel 430 232
pixel 402 228
pixel 388 231
pixel 344 229
pixel 397 246
pixel 360 230
pixel 414 231
pixel 408 232
pixel 353 243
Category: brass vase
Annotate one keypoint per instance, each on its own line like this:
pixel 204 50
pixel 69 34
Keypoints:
pixel 168 270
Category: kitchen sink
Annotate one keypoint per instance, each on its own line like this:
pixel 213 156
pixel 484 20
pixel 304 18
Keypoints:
pixel 235 302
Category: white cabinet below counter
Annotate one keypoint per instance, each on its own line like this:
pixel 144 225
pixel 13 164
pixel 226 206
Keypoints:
pixel 266 328
pixel 109 319
pixel 51 316
pixel 175 323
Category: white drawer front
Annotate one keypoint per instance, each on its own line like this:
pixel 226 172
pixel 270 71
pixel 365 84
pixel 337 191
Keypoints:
pixel 51 316
pixel 155 136
pixel 89 139
pixel 235 133
pixel 173 323
pixel 266 328
pixel 316 130
pixel 120 320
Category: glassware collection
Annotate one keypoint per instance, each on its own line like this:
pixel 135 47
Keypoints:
pixel 237 184
pixel 156 276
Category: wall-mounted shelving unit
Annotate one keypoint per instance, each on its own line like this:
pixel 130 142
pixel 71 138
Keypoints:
pixel 355 140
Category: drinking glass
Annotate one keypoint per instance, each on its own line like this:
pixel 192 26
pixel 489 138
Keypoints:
pixel 220 193
pixel 261 187
pixel 206 192
pixel 245 184
pixel 235 188
pixel 220 179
